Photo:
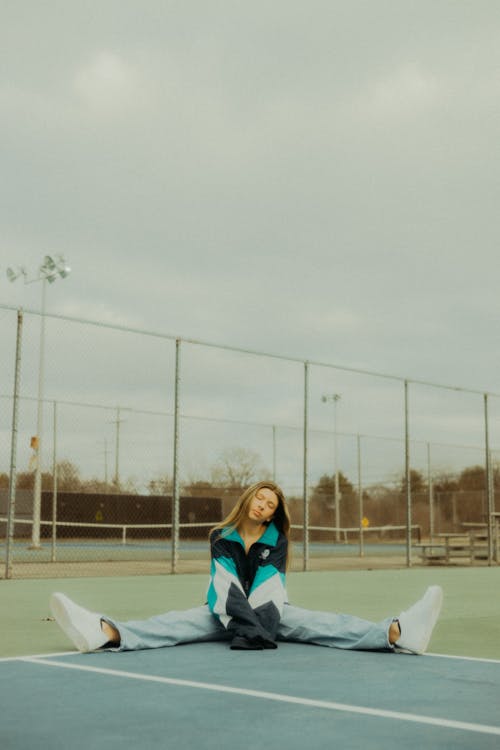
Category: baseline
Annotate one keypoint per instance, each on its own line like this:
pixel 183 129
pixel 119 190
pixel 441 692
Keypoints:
pixel 27 657
pixel 282 698
pixel 465 658
pixel 38 656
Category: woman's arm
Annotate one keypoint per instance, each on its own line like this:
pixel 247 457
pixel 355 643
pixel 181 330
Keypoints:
pixel 268 593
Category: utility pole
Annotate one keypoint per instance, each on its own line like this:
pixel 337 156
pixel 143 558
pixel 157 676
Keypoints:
pixel 117 422
pixel 106 453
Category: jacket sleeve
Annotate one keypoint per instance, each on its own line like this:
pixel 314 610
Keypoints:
pixel 257 616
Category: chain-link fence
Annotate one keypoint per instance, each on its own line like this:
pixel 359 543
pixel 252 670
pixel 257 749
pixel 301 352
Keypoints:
pixel 122 448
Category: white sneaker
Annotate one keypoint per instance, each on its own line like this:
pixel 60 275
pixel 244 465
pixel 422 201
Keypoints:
pixel 417 623
pixel 81 626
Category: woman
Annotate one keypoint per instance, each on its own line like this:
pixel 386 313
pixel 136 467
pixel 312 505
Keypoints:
pixel 247 602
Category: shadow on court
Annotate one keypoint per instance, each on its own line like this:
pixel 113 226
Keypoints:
pixel 207 696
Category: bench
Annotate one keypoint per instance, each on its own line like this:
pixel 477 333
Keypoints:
pixel 470 546
pixel 431 553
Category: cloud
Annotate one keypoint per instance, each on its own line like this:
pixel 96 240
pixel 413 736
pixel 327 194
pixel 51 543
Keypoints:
pixel 403 93
pixel 312 181
pixel 107 84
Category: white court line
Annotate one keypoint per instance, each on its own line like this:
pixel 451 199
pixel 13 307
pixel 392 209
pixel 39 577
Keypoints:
pixel 38 656
pixel 345 707
pixel 466 658
pixel 78 653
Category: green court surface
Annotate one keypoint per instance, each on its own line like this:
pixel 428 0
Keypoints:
pixel 469 624
pixel 206 696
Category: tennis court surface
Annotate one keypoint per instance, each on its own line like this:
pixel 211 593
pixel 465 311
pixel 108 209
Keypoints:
pixel 207 696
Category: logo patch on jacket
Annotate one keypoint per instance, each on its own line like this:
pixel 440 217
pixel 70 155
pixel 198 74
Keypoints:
pixel 265 554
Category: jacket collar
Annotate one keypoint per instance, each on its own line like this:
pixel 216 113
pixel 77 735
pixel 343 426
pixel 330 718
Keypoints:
pixel 270 536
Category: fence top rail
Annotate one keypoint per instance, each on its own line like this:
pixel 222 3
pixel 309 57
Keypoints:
pixel 255 352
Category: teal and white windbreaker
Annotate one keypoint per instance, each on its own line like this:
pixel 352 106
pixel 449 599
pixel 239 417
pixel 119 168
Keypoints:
pixel 247 591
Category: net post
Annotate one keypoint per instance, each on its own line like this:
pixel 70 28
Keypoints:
pixel 11 511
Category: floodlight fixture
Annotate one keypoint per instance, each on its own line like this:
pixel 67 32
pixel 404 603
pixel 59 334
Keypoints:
pixel 331 397
pixel 52 268
pixel 64 271
pixel 13 274
pixel 48 264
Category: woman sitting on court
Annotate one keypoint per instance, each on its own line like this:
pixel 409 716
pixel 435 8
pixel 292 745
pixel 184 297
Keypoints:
pixel 247 602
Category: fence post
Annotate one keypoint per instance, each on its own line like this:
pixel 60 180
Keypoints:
pixel 305 530
pixel 407 478
pixel 54 483
pixel 430 493
pixel 360 499
pixel 11 510
pixel 175 477
pixel 118 422
pixel 489 483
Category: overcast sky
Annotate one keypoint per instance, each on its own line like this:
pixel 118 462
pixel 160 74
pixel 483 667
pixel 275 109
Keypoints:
pixel 318 179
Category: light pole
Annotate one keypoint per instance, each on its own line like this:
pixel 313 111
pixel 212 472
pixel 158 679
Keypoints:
pixel 51 269
pixel 335 398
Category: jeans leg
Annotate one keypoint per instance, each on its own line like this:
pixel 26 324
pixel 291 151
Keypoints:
pixel 169 629
pixel 333 630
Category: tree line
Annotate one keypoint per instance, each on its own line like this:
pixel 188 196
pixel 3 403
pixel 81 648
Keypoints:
pixel 456 497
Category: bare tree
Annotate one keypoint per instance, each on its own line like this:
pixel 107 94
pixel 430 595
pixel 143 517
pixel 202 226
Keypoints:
pixel 238 467
pixel 161 485
pixel 68 476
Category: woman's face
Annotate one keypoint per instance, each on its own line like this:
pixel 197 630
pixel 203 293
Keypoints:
pixel 263 505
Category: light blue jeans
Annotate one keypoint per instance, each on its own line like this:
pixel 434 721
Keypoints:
pixel 297 624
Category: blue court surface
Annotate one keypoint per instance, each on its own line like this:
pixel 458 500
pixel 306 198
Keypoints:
pixel 206 696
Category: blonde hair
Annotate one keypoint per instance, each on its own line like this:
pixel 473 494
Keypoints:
pixel 239 513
